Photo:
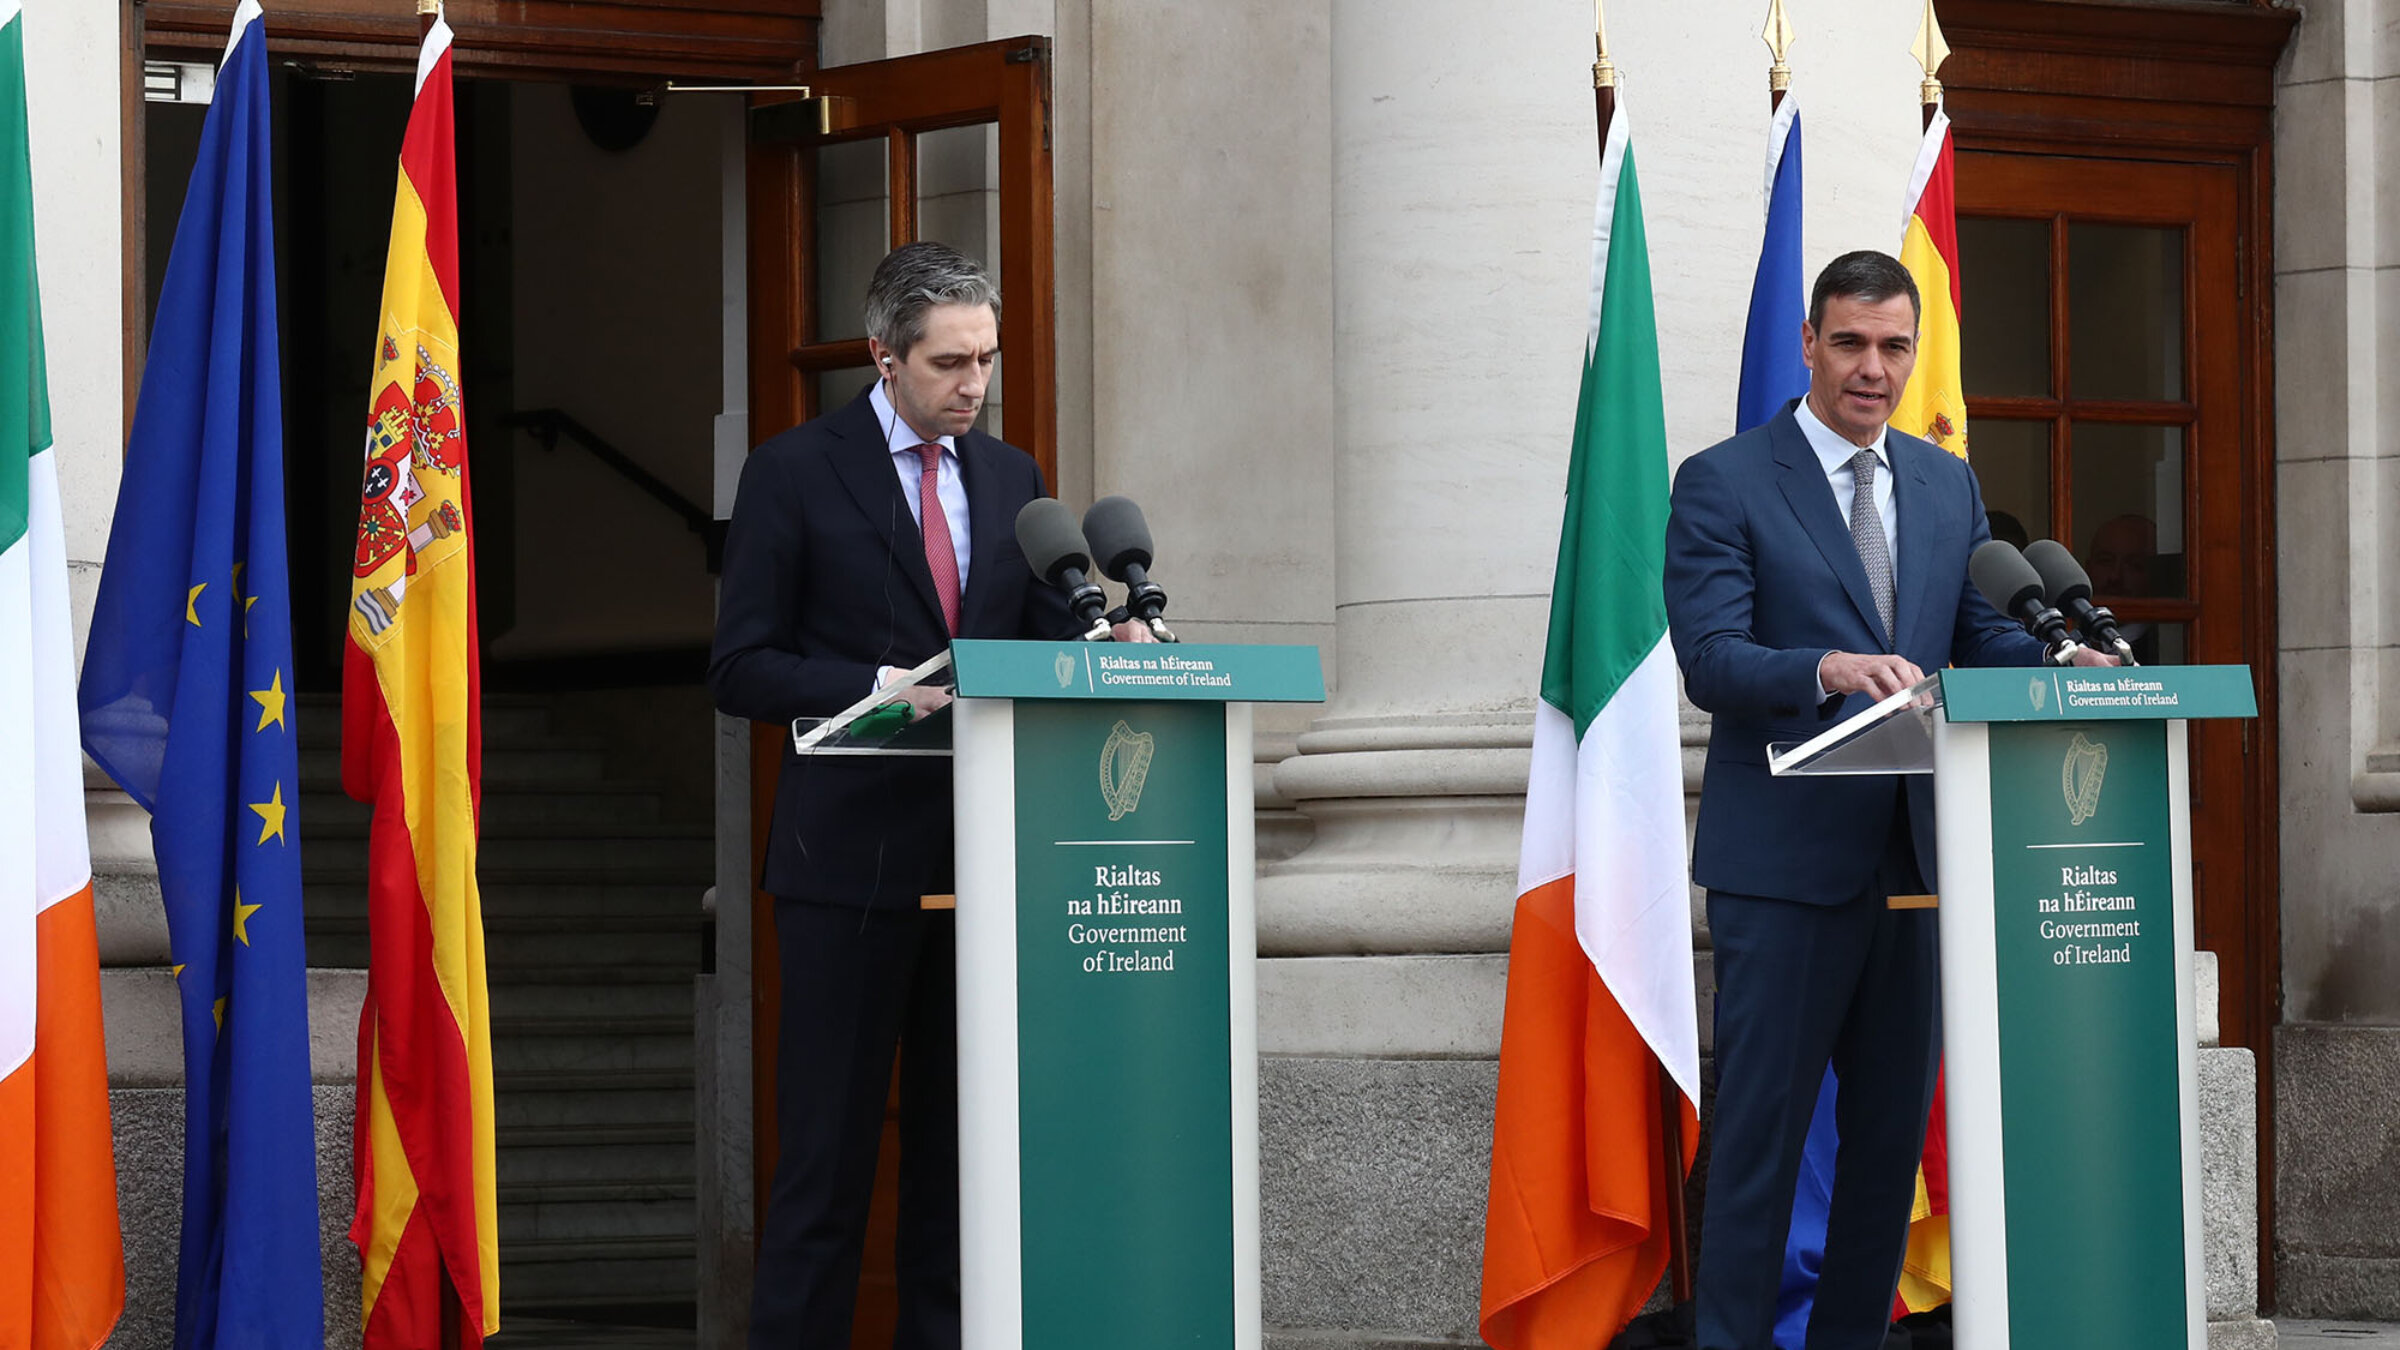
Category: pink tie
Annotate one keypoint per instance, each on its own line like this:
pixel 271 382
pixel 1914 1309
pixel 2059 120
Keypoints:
pixel 940 554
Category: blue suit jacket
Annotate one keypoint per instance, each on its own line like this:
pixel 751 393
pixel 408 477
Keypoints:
pixel 1761 581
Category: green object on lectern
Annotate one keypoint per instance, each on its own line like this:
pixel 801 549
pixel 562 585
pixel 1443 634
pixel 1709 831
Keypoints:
pixel 881 723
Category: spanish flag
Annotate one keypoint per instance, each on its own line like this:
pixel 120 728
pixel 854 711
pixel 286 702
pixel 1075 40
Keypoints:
pixel 62 1263
pixel 1934 405
pixel 412 747
pixel 1600 959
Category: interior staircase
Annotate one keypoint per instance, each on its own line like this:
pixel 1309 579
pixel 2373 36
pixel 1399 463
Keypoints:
pixel 593 933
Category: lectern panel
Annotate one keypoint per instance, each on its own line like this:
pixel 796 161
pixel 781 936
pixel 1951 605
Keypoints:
pixel 2084 932
pixel 1123 1025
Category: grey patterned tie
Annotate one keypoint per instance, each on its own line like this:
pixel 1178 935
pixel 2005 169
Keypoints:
pixel 1866 532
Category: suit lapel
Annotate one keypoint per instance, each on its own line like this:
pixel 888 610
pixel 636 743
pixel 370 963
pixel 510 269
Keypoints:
pixel 988 524
pixel 863 463
pixel 1913 498
pixel 1811 497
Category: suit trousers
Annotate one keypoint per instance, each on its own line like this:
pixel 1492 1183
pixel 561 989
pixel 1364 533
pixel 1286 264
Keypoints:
pixel 1858 985
pixel 858 984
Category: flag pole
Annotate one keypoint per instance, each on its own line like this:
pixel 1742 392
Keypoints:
pixel 1670 1094
pixel 1778 37
pixel 452 1320
pixel 1604 76
pixel 1931 51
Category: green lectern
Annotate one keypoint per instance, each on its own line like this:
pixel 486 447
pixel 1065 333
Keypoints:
pixel 2070 1052
pixel 1107 1006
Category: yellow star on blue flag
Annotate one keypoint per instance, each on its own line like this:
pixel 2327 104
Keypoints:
pixel 270 815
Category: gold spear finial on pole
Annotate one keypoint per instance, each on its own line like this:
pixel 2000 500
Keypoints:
pixel 1604 71
pixel 1778 37
pixel 1930 50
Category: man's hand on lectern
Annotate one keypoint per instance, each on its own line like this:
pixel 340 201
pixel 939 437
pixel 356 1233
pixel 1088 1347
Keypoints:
pixel 1876 673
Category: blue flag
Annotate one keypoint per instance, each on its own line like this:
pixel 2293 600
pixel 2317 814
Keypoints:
pixel 1772 376
pixel 188 703
pixel 1772 373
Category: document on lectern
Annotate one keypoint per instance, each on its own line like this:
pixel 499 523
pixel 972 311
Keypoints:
pixel 1894 736
pixel 880 723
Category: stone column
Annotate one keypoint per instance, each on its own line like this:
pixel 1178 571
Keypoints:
pixel 1461 218
pixel 1458 314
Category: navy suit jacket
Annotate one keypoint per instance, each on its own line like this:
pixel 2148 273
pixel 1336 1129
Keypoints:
pixel 1762 581
pixel 825 580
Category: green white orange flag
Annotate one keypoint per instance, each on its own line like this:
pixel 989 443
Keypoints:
pixel 62 1263
pixel 412 745
pixel 1934 406
pixel 1600 961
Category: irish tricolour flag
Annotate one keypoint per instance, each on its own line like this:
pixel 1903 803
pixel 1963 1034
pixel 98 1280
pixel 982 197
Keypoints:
pixel 1600 962
pixel 62 1268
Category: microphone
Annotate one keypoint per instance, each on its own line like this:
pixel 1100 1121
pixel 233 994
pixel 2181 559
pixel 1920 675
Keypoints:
pixel 2015 589
pixel 1121 541
pixel 1054 548
pixel 2070 588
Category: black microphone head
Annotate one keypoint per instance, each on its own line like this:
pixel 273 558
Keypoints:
pixel 2063 578
pixel 1118 534
pixel 1053 545
pixel 2004 577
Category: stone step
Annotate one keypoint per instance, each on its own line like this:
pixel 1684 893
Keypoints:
pixel 582 1210
pixel 605 1047
pixel 535 890
pixel 688 849
pixel 597 957
pixel 566 1273
pixel 503 766
pixel 635 1151
pixel 507 718
pixel 515 810
pixel 549 998
pixel 612 1103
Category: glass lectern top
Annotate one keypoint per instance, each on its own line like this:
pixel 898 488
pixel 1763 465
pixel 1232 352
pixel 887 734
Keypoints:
pixel 1894 736
pixel 879 723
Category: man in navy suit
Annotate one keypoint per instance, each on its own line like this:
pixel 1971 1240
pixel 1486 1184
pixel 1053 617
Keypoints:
pixel 1814 565
pixel 861 544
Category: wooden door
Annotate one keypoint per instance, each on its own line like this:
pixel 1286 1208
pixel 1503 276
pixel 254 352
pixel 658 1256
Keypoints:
pixel 951 145
pixel 2107 402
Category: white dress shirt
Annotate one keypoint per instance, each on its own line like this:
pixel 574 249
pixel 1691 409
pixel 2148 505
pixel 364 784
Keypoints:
pixel 949 485
pixel 1833 454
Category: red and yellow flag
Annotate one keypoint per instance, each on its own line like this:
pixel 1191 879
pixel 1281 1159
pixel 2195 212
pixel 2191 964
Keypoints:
pixel 1934 405
pixel 412 745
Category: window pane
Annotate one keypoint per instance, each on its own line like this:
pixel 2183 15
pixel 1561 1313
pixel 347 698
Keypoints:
pixel 958 203
pixel 853 228
pixel 2006 346
pixel 2129 509
pixel 2013 460
pixel 2157 644
pixel 837 387
pixel 2125 312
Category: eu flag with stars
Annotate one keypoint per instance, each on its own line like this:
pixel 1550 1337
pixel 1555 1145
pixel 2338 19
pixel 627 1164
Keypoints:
pixel 187 702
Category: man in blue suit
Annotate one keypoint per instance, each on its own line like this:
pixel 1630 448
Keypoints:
pixel 1815 565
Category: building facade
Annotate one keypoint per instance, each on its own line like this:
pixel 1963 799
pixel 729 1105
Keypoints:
pixel 1309 281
